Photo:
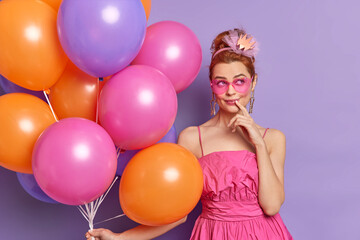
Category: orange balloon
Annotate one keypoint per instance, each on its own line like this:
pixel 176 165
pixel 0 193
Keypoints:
pixel 161 184
pixel 75 94
pixel 31 54
pixel 147 7
pixel 23 118
pixel 55 4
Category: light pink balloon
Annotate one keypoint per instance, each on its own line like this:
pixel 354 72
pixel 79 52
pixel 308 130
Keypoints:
pixel 137 107
pixel 74 161
pixel 174 49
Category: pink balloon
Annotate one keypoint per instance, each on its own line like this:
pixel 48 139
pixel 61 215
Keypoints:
pixel 174 49
pixel 137 107
pixel 74 161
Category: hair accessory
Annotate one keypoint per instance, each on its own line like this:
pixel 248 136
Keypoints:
pixel 239 44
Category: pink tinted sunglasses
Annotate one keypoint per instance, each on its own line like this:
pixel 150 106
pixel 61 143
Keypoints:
pixel 220 86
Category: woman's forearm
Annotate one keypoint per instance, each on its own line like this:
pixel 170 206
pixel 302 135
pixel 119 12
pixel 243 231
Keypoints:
pixel 143 232
pixel 271 191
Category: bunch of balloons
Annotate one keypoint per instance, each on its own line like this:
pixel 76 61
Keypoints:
pixel 89 88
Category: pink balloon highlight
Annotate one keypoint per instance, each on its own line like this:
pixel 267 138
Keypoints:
pixel 174 49
pixel 137 107
pixel 74 161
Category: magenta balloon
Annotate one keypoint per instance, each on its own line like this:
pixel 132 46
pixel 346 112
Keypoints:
pixel 137 107
pixel 74 161
pixel 174 49
pixel 101 36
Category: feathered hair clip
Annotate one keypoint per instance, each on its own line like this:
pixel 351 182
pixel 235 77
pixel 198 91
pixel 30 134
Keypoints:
pixel 241 45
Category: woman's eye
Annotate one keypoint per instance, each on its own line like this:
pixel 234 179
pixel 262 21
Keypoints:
pixel 221 83
pixel 240 81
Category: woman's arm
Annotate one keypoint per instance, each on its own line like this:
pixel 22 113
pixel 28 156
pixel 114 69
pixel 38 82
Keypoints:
pixel 140 232
pixel 270 165
pixel 148 232
pixel 271 172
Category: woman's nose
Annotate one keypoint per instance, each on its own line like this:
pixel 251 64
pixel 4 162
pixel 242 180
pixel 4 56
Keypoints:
pixel 231 90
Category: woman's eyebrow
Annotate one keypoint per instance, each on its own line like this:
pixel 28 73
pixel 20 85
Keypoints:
pixel 236 76
pixel 239 75
pixel 220 77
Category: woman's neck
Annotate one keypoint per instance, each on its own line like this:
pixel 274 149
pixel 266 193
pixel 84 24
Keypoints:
pixel 222 118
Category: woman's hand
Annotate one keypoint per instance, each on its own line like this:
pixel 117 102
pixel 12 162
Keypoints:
pixel 101 234
pixel 243 120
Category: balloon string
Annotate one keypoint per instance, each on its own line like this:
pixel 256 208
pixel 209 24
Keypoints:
pixel 118 151
pixel 52 110
pixel 97 98
pixel 106 220
pixel 89 210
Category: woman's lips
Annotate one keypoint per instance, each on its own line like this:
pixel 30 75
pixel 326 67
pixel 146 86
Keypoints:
pixel 231 102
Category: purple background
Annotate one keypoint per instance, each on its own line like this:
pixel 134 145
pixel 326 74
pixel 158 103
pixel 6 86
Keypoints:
pixel 308 88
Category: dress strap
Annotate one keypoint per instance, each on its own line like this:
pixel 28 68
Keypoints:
pixel 202 152
pixel 265 132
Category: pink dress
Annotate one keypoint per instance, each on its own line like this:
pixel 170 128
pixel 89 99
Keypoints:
pixel 230 200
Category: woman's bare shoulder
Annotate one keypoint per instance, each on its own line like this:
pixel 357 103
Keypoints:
pixel 275 134
pixel 189 138
pixel 274 138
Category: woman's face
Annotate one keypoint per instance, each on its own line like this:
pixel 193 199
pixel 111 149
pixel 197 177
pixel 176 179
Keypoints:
pixel 234 72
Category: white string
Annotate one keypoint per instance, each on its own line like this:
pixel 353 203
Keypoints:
pixel 121 215
pixel 118 152
pixel 83 213
pixel 91 208
pixel 104 195
pixel 52 110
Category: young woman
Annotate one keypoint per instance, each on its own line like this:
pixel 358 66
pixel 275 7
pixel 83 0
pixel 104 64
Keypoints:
pixel 242 162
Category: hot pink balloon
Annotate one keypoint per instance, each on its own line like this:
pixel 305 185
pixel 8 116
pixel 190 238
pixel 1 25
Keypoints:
pixel 137 107
pixel 74 161
pixel 174 49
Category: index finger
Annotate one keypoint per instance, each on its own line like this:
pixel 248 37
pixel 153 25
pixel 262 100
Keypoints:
pixel 242 108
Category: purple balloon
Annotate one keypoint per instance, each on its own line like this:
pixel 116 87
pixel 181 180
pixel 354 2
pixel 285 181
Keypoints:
pixel 74 161
pixel 126 156
pixel 170 137
pixel 137 107
pixel 124 159
pixel 10 87
pixel 30 185
pixel 101 37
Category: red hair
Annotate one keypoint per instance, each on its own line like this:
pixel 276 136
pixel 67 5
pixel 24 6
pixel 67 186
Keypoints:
pixel 229 56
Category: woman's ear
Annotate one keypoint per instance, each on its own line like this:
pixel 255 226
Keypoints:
pixel 254 82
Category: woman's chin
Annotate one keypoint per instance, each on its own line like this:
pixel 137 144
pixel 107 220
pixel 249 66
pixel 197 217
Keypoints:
pixel 230 109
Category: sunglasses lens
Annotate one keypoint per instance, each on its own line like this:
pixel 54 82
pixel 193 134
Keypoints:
pixel 219 86
pixel 241 85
